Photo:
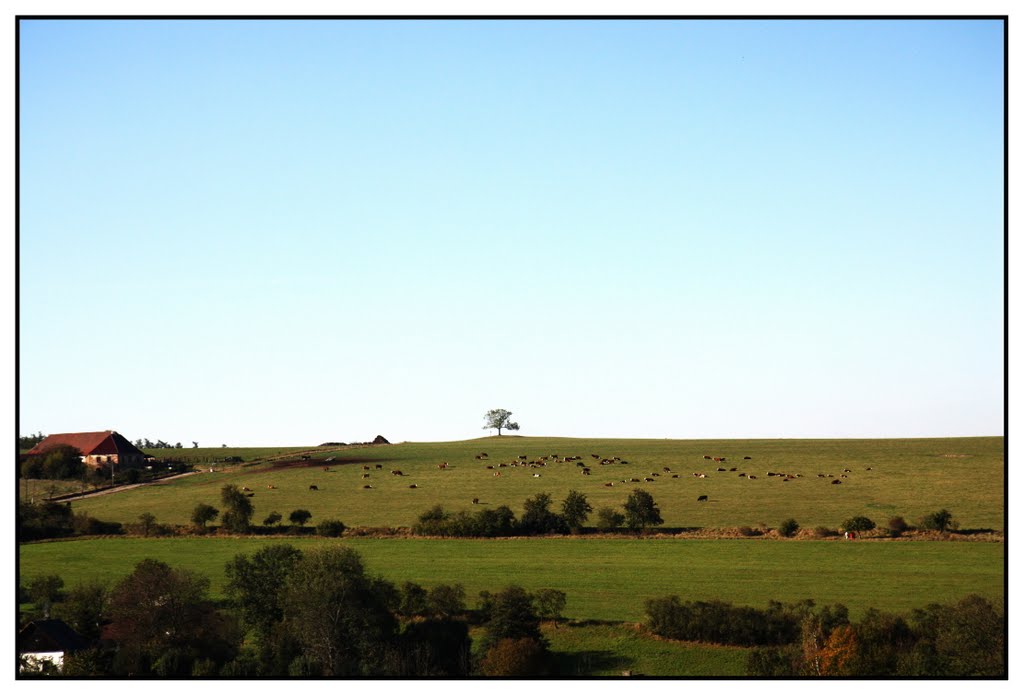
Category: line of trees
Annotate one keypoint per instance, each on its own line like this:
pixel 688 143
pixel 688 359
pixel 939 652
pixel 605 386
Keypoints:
pixel 292 614
pixel 966 639
pixel 538 517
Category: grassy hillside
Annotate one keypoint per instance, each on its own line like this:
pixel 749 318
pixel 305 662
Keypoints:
pixel 906 477
pixel 605 579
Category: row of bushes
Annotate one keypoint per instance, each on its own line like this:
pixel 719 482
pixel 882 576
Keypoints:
pixel 937 521
pixel 722 623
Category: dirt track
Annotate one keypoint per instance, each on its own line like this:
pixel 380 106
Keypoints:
pixel 118 489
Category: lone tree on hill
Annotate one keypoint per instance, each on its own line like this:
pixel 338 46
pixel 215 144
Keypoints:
pixel 499 418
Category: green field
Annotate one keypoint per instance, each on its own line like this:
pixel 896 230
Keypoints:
pixel 604 579
pixel 907 477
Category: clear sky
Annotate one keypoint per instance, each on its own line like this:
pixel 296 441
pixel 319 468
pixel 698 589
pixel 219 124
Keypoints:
pixel 283 233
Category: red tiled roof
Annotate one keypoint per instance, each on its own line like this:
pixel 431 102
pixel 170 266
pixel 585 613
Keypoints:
pixel 105 442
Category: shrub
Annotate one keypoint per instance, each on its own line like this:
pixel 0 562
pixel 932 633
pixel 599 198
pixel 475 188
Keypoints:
pixel 330 528
pixel 515 657
pixel 414 600
pixel 641 510
pixel 858 524
pixel 720 622
pixel 897 526
pixel 446 600
pixel 272 519
pixel 608 519
pixel 941 521
pixel 789 527
pixel 203 513
pixel 300 517
pixel 549 604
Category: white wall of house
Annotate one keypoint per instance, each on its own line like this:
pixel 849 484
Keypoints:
pixel 34 661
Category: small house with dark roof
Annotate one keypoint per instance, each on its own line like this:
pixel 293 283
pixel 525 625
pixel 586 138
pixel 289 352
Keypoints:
pixel 47 640
pixel 98 449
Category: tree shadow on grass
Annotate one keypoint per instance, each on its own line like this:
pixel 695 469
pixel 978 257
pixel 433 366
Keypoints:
pixel 589 662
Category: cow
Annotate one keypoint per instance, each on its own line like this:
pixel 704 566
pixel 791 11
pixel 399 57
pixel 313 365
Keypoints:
pixel 732 469
pixel 707 457
pixel 648 479
pixel 327 469
pixel 609 485
pixel 378 466
pixel 746 457
pixel 595 456
pixel 702 475
pixel 843 476
pixel 413 485
pixel 770 473
pixel 366 468
pixel 836 482
pixel 751 477
pixel 443 465
pixel 476 501
pixel 536 475
pixel 742 475
pixel 488 467
pixel 586 472
pixel 497 473
pixel 365 476
pixel 523 456
pixel 367 486
pixel 634 480
pixel 675 475
pixel 847 471
pixel 269 487
pixel 249 495
pixel 868 469
pixel 305 457
pixel 245 488
pixel 313 488
pixel 396 472
pixel 721 468
pixel 665 468
pixel 623 461
pixel 702 499
pixel 483 454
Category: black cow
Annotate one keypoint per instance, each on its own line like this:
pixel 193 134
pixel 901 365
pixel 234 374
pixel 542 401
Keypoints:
pixel 313 488
pixel 702 499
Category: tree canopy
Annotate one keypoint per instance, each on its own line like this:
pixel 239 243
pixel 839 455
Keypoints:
pixel 499 418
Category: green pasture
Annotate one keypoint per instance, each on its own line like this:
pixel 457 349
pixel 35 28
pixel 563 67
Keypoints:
pixel 910 478
pixel 604 579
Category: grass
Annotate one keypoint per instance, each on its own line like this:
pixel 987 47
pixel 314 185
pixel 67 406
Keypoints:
pixel 910 478
pixel 604 579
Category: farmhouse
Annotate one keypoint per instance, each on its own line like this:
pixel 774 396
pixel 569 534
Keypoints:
pixel 47 641
pixel 98 449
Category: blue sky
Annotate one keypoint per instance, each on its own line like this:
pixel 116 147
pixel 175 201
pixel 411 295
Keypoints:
pixel 282 233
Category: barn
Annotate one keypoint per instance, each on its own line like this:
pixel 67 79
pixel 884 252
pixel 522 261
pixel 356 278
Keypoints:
pixel 98 449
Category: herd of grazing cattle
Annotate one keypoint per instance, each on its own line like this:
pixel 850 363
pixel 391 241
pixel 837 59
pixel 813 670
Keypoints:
pixel 539 462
